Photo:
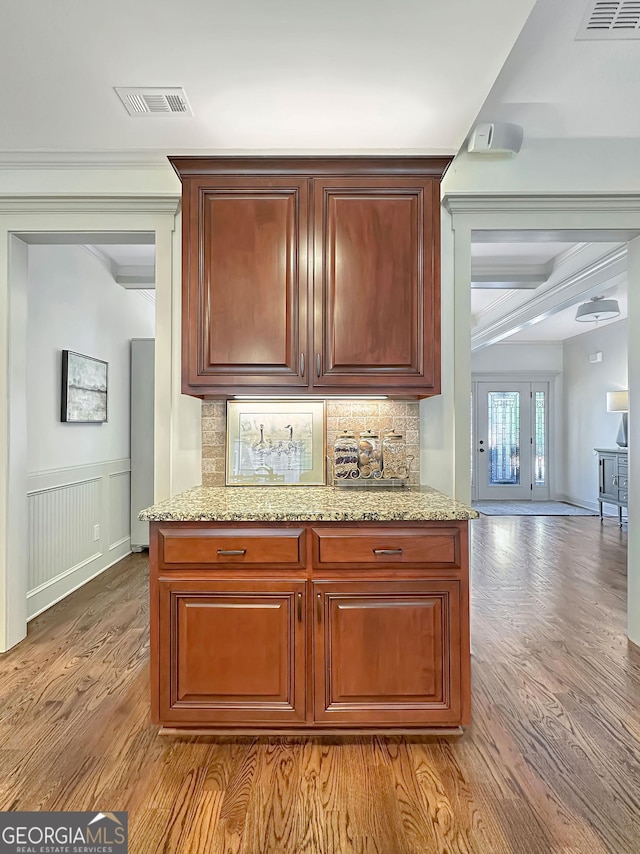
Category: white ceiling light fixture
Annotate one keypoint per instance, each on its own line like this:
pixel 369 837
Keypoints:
pixel 154 101
pixel 598 308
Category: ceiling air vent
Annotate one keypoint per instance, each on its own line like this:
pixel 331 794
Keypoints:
pixel 155 101
pixel 611 19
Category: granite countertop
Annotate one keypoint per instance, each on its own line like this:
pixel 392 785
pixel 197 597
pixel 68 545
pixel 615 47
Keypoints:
pixel 306 504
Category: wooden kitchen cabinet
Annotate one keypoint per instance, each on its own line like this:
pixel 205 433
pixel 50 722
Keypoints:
pixel 376 283
pixel 231 652
pixel 244 283
pixel 387 652
pixel 311 275
pixel 310 626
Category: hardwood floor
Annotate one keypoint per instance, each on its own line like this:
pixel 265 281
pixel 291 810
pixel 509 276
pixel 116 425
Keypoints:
pixel 551 763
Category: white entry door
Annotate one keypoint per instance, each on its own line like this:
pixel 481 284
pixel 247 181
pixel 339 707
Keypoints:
pixel 510 441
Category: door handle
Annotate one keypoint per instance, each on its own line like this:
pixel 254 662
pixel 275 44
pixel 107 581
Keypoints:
pixel 318 364
pixel 232 551
pixel 299 607
pixel 301 364
pixel 387 551
pixel 319 607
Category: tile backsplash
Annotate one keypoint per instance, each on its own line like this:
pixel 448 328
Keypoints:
pixel 377 415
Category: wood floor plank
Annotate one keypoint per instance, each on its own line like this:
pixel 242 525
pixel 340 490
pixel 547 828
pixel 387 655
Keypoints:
pixel 551 764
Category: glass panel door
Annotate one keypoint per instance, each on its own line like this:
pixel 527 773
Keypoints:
pixel 503 447
pixel 510 447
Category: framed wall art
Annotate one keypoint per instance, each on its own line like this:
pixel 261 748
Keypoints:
pixel 275 443
pixel 84 389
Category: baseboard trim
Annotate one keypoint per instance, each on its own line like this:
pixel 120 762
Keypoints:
pixel 66 591
pixel 589 505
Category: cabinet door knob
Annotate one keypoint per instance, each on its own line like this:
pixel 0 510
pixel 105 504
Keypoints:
pixel 232 551
pixel 318 364
pixel 301 364
pixel 299 607
pixel 387 551
pixel 319 607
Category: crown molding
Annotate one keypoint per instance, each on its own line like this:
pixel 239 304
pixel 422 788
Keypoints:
pixel 91 160
pixel 148 204
pixel 99 256
pixel 470 203
pixel 158 159
pixel 147 294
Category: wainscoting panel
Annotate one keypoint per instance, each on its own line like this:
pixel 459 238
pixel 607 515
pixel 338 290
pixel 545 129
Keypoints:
pixel 78 527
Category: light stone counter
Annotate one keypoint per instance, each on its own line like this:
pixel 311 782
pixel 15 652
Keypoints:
pixel 306 504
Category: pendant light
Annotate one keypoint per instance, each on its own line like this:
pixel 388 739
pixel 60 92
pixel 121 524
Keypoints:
pixel 598 308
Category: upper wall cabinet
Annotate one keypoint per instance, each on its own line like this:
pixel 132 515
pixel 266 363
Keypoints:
pixel 309 275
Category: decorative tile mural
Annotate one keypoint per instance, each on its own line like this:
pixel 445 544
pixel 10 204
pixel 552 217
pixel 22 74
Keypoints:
pixel 377 415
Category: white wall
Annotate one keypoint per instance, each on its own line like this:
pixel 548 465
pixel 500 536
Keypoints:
pixel 502 358
pixel 588 425
pixel 78 475
pixel 74 304
pixel 550 165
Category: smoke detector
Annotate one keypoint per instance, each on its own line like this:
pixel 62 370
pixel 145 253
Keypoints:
pixel 611 20
pixel 154 101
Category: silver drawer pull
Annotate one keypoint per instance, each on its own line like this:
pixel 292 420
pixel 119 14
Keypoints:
pixel 387 551
pixel 232 551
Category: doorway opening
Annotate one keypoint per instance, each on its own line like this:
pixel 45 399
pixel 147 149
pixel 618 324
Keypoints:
pixel 91 295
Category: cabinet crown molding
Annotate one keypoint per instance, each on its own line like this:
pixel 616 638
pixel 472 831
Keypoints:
pixel 430 167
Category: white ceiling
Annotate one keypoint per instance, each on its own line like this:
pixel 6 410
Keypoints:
pixel 571 273
pixel 284 75
pixel 557 87
pixel 525 252
pixel 505 260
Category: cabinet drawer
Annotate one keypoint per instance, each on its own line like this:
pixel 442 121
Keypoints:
pixel 622 495
pixel 233 546
pixel 379 547
pixel 623 482
pixel 623 467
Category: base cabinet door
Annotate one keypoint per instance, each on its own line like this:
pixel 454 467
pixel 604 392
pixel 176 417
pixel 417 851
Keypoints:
pixel 387 653
pixel 232 652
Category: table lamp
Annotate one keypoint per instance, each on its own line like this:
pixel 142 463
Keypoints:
pixel 618 401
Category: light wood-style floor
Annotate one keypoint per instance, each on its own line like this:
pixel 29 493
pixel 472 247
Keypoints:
pixel 551 763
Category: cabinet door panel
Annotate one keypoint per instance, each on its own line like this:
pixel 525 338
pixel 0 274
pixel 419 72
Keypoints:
pixel 247 283
pixel 376 283
pixel 608 476
pixel 387 652
pixel 232 653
